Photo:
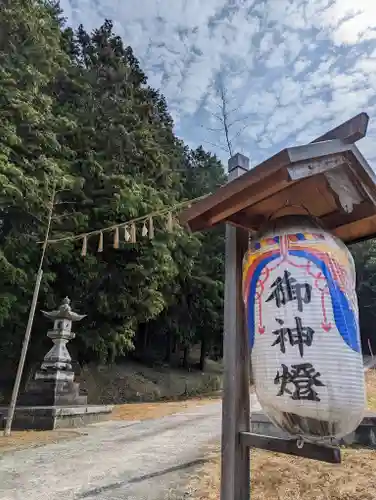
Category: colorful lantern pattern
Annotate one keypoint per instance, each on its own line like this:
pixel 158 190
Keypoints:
pixel 302 317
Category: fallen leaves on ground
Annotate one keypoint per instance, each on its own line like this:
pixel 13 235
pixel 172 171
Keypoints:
pixel 145 411
pixel 27 439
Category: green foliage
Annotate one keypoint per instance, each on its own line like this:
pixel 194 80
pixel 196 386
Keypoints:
pixel 76 110
pixel 196 295
pixel 31 157
pixel 365 261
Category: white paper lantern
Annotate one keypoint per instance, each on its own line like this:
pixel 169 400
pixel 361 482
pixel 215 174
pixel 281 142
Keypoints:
pixel 302 315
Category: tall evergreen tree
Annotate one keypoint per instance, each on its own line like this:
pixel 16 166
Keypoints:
pixel 31 158
pixel 365 262
pixel 76 112
pixel 126 155
pixel 195 308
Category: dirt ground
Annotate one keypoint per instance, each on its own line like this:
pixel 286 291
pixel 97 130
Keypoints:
pixel 280 477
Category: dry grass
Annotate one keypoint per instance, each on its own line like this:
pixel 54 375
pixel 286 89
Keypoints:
pixel 27 439
pixel 371 389
pixel 281 477
pixel 278 477
pixel 146 411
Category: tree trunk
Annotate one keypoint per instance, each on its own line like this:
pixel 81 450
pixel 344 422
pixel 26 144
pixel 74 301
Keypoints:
pixel 168 348
pixel 202 354
pixel 185 357
pixel 146 339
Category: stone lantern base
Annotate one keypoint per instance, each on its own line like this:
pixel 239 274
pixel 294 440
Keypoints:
pixel 56 392
pixel 55 417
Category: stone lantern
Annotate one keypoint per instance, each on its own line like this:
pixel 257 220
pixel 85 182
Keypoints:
pixel 53 383
pixel 57 362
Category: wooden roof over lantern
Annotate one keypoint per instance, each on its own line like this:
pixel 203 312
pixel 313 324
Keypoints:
pixel 327 178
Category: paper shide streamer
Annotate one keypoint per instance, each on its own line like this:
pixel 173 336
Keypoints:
pixel 127 235
pixel 129 228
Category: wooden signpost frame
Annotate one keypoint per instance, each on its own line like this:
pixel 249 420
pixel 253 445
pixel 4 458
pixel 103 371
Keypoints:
pixel 236 436
pixel 227 205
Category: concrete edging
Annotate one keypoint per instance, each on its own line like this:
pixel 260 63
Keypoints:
pixel 55 417
pixel 364 435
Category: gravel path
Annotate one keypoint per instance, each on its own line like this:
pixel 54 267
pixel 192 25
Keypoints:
pixel 115 460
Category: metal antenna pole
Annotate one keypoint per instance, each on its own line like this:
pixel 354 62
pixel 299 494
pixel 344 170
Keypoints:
pixel 25 345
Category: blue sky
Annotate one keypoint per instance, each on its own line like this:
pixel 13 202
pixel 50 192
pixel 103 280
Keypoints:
pixel 291 68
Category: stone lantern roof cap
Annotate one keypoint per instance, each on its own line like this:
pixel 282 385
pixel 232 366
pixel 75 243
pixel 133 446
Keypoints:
pixel 64 312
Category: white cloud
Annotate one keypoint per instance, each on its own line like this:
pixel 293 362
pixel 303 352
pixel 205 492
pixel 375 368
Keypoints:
pixel 301 65
pixel 294 67
pixel 350 20
pixel 261 102
pixel 276 57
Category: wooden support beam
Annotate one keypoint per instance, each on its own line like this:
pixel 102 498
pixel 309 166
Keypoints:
pixel 226 192
pixel 248 197
pixel 235 477
pixel 328 454
pixel 349 132
pixel 338 219
pixel 357 230
pixel 245 222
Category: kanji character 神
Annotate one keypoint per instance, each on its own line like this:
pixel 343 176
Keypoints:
pixel 300 335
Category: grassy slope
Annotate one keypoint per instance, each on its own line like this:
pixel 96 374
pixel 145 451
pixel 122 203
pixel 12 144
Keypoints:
pixel 133 382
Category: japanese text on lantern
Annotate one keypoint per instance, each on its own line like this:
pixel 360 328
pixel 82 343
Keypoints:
pixel 298 381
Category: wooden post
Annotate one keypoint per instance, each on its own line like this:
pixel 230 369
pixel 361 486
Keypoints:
pixel 235 475
pixel 29 326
